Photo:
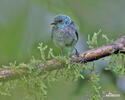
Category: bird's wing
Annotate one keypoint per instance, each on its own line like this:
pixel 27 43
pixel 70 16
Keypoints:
pixel 74 32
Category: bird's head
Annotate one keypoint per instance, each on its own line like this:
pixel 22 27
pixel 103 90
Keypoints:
pixel 61 21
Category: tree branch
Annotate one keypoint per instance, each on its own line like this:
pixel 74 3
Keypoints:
pixel 117 47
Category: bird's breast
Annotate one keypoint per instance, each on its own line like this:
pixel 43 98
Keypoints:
pixel 58 38
pixel 62 38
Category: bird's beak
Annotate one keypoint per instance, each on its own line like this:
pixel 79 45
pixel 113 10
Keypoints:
pixel 53 23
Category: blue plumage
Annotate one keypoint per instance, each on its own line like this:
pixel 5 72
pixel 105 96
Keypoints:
pixel 64 32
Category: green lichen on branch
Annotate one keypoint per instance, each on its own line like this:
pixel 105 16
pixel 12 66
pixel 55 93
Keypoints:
pixel 38 74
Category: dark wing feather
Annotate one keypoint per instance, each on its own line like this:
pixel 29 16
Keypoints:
pixel 77 35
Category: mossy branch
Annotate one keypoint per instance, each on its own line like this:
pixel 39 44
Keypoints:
pixel 117 47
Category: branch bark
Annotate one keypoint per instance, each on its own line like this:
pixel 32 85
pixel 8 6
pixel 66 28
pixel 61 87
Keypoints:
pixel 117 47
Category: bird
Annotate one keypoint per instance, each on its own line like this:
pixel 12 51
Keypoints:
pixel 64 33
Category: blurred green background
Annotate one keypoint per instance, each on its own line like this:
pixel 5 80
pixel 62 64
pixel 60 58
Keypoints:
pixel 25 23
